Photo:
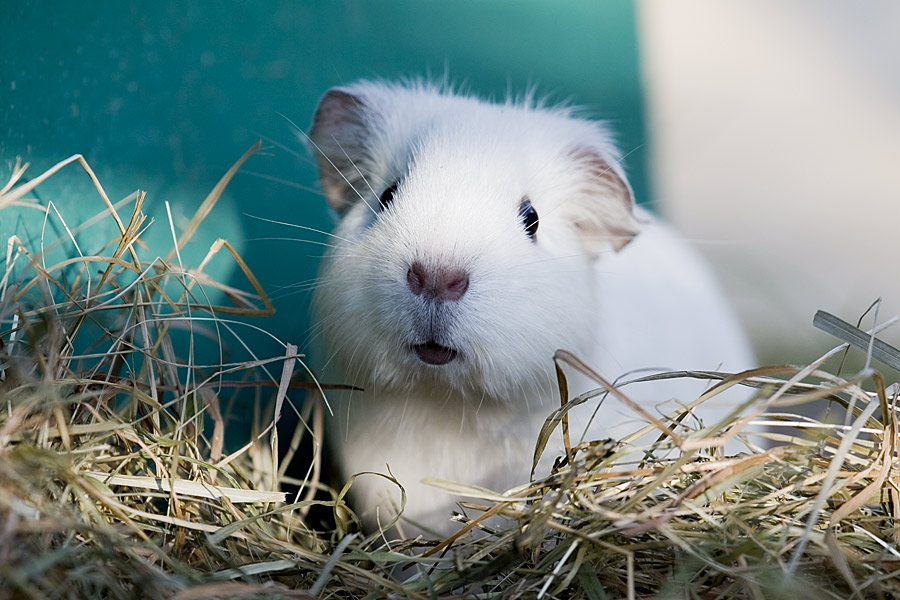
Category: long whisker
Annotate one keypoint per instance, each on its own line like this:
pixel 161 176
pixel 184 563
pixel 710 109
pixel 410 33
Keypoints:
pixel 303 227
pixel 363 177
pixel 279 180
pixel 292 151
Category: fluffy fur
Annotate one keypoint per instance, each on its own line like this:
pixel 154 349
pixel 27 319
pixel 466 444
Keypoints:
pixel 588 282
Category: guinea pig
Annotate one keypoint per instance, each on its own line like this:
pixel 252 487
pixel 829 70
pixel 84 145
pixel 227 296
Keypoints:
pixel 475 239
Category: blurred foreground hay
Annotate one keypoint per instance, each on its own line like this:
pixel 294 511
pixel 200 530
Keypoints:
pixel 116 480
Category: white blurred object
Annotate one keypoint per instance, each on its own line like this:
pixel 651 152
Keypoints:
pixel 775 131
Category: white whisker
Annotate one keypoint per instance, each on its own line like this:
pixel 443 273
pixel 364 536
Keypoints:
pixel 297 226
pixel 282 181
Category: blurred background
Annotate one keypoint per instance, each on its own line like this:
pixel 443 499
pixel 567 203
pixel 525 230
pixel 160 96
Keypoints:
pixel 767 131
pixel 774 130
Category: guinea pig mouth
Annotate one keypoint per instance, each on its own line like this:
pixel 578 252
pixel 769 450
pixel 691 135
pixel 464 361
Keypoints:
pixel 434 354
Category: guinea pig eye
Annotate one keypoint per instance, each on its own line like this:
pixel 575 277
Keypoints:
pixel 387 196
pixel 529 217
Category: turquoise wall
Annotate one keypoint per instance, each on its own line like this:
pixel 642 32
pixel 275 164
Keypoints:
pixel 165 96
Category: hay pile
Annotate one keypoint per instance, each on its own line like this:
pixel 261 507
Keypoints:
pixel 116 480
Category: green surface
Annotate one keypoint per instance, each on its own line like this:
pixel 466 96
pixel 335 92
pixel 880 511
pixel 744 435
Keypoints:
pixel 165 96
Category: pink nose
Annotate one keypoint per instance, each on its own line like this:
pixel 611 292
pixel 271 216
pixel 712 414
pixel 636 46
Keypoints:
pixel 439 284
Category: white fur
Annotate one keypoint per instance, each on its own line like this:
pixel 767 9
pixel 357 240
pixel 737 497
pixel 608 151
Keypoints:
pixel 464 166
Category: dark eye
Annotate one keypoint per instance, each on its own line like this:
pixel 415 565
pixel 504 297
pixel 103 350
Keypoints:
pixel 387 196
pixel 529 217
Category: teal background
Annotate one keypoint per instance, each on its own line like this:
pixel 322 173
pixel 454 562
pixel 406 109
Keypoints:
pixel 165 96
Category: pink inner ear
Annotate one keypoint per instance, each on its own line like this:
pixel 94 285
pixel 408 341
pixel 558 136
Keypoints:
pixel 605 212
pixel 337 112
pixel 605 175
pixel 339 133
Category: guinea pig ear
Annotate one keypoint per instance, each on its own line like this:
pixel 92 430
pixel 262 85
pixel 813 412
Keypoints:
pixel 606 212
pixel 339 134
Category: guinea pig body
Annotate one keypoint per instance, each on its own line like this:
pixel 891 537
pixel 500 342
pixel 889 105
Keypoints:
pixel 475 240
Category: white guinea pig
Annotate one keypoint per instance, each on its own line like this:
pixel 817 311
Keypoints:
pixel 475 240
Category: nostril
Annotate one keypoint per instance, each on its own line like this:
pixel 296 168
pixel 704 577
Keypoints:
pixel 415 278
pixel 456 284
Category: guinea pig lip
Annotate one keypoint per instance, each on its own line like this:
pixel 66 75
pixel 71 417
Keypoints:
pixel 433 353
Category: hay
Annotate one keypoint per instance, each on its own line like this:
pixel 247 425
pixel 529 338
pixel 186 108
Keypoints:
pixel 116 480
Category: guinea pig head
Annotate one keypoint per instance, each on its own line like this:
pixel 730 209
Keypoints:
pixel 468 236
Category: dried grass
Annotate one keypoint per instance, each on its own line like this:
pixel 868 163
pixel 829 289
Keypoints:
pixel 116 480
